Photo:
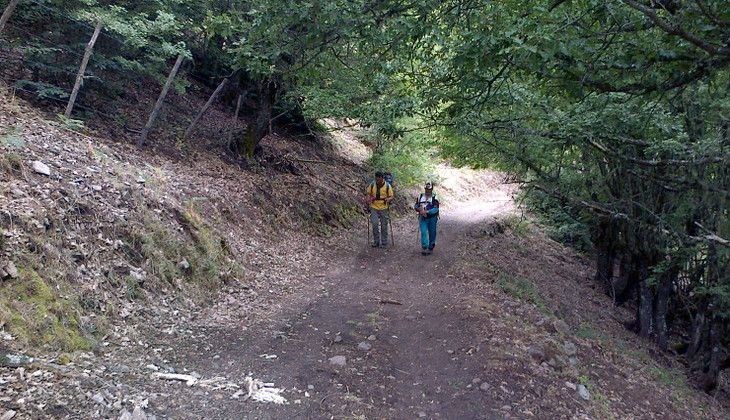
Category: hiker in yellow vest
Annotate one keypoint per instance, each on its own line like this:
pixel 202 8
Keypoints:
pixel 380 194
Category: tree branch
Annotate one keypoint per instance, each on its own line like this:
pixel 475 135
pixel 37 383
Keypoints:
pixel 674 29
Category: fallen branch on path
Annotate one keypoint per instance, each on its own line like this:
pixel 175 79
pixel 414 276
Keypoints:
pixel 263 391
pixel 188 379
pixel 388 301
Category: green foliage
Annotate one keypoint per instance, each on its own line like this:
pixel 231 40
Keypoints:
pixel 522 289
pixel 412 156
pixel 12 138
pixel 70 123
pixel 34 313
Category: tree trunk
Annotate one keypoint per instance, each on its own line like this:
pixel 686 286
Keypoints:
pixel 716 356
pixel 605 255
pixel 267 91
pixel 697 333
pixel 82 70
pixel 662 306
pixel 206 106
pixel 160 100
pixel 625 284
pixel 646 300
pixel 230 144
pixel 6 14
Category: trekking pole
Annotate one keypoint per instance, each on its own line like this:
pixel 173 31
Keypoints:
pixel 368 228
pixel 390 224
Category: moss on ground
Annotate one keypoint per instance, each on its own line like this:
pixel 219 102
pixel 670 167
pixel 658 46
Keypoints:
pixel 37 314
pixel 204 258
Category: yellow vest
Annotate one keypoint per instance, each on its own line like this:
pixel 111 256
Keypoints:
pixel 385 191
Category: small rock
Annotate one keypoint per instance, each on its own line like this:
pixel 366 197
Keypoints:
pixel 310 387
pixel 41 168
pixel 583 392
pixel 98 398
pixel 8 415
pixel 184 264
pixel 96 187
pixel 364 346
pixel 15 360
pixel 571 385
pixel 421 414
pixel 17 192
pixel 573 361
pixel 561 326
pixel 484 386
pixel 141 180
pixel 506 408
pixel 338 360
pixel 371 337
pixel 569 348
pixel 537 353
pixel 11 271
pixel 337 339
pixel 476 381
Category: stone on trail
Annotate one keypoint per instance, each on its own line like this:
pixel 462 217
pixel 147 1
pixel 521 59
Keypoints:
pixel 371 337
pixel 364 346
pixel 338 339
pixel 9 271
pixel 8 415
pixel 583 392
pixel 571 385
pixel 570 348
pixel 41 168
pixel 137 414
pixel 338 360
pixel 15 360
pixel 537 353
pixel 485 386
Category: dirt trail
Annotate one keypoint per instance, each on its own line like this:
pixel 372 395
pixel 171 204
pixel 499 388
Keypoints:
pixel 428 337
pixel 425 355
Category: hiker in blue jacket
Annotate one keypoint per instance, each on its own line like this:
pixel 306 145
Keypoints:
pixel 427 207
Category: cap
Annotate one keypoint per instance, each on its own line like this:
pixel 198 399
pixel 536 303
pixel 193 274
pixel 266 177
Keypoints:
pixel 378 174
pixel 429 185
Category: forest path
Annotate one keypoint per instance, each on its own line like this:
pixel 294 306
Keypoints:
pixel 411 347
pixel 499 322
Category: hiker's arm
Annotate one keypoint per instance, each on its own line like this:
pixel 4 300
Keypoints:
pixel 390 196
pixel 434 209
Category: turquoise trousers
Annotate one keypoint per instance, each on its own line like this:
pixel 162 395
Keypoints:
pixel 428 231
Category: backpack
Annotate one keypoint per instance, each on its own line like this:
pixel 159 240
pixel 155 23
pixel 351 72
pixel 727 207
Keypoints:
pixel 433 197
pixel 377 190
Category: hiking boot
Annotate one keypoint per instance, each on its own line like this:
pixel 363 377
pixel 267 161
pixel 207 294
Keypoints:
pixel 424 251
pixel 384 246
pixel 375 245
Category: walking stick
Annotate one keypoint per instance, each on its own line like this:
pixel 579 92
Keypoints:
pixel 368 228
pixel 390 224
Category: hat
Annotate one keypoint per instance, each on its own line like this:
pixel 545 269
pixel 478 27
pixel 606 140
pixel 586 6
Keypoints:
pixel 378 174
pixel 429 185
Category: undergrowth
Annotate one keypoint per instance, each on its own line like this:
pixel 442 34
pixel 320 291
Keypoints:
pixel 522 289
pixel 200 255
pixel 42 312
pixel 410 155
